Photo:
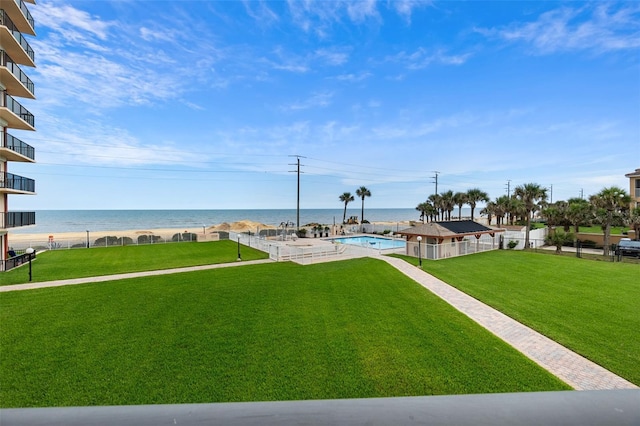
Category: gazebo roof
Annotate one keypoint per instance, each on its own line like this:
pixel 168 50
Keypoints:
pixel 449 229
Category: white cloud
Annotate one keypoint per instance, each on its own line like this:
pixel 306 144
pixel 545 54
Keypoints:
pixel 317 100
pixel 602 28
pixel 422 58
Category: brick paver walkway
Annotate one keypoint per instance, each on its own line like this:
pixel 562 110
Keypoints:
pixel 575 370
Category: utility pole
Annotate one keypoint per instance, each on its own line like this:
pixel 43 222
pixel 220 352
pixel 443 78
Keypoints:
pixel 509 188
pixel 436 181
pixel 551 193
pixel 581 193
pixel 297 163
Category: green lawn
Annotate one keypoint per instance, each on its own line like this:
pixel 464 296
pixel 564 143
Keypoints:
pixel 276 331
pixel 615 230
pixel 77 263
pixel 590 307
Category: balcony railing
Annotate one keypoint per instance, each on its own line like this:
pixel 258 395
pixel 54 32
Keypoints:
pixel 17 219
pixel 17 109
pixel 7 62
pixel 7 22
pixel 25 11
pixel 16 183
pixel 637 192
pixel 16 145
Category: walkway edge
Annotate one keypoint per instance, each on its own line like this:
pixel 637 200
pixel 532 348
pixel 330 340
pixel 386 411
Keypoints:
pixel 104 278
pixel 570 367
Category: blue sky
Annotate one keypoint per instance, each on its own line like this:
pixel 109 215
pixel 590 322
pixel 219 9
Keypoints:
pixel 202 104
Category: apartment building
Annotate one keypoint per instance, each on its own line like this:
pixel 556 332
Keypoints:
pixel 16 26
pixel 634 187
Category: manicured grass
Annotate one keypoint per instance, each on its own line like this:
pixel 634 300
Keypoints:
pixel 615 230
pixel 276 331
pixel 590 307
pixel 77 263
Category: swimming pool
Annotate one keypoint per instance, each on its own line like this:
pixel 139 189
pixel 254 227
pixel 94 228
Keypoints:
pixel 371 242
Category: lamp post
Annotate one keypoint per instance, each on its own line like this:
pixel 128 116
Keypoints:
pixel 239 257
pixel 30 251
pixel 419 251
pixel 87 238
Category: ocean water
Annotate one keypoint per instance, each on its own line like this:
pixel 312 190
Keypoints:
pixel 56 221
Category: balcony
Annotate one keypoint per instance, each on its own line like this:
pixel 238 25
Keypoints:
pixel 22 18
pixel 17 219
pixel 13 42
pixel 14 79
pixel 16 116
pixel 14 184
pixel 13 149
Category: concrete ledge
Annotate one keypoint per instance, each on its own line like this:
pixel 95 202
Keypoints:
pixel 619 407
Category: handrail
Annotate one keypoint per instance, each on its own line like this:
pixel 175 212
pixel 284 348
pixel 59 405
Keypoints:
pixel 15 182
pixel 11 142
pixel 17 108
pixel 6 61
pixel 7 22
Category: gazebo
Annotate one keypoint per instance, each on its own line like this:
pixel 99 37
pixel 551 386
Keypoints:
pixel 439 240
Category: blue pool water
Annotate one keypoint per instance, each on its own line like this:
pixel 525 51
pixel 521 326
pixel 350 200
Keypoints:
pixel 371 242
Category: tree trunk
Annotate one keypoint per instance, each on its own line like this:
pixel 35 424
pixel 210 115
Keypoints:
pixel 607 232
pixel 526 233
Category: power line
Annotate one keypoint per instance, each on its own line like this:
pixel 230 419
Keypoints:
pixel 298 157
pixel 436 180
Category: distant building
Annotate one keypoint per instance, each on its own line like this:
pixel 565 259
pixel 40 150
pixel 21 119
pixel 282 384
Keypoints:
pixel 440 240
pixel 15 53
pixel 634 188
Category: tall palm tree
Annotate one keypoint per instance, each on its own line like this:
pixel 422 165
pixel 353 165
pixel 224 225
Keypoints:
pixel 490 210
pixel 460 199
pixel 611 200
pixel 346 198
pixel 446 198
pixel 474 196
pixel 363 192
pixel 436 200
pixel 530 194
pixel 501 208
pixel 424 209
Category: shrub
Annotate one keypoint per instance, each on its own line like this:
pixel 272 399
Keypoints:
pixel 106 241
pixel 512 244
pixel 149 239
pixel 185 236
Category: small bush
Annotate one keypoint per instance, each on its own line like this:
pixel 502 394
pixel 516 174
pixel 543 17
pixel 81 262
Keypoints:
pixel 512 244
pixel 185 236
pixel 149 239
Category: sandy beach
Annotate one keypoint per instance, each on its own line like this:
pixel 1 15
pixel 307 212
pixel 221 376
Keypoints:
pixel 72 239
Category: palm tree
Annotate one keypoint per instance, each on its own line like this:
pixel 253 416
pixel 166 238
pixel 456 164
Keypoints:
pixel 490 210
pixel 634 221
pixel 446 198
pixel 460 199
pixel 437 204
pixel 501 208
pixel 579 213
pixel 611 200
pixel 530 194
pixel 558 238
pixel 475 195
pixel 363 192
pixel 424 209
pixel 346 198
